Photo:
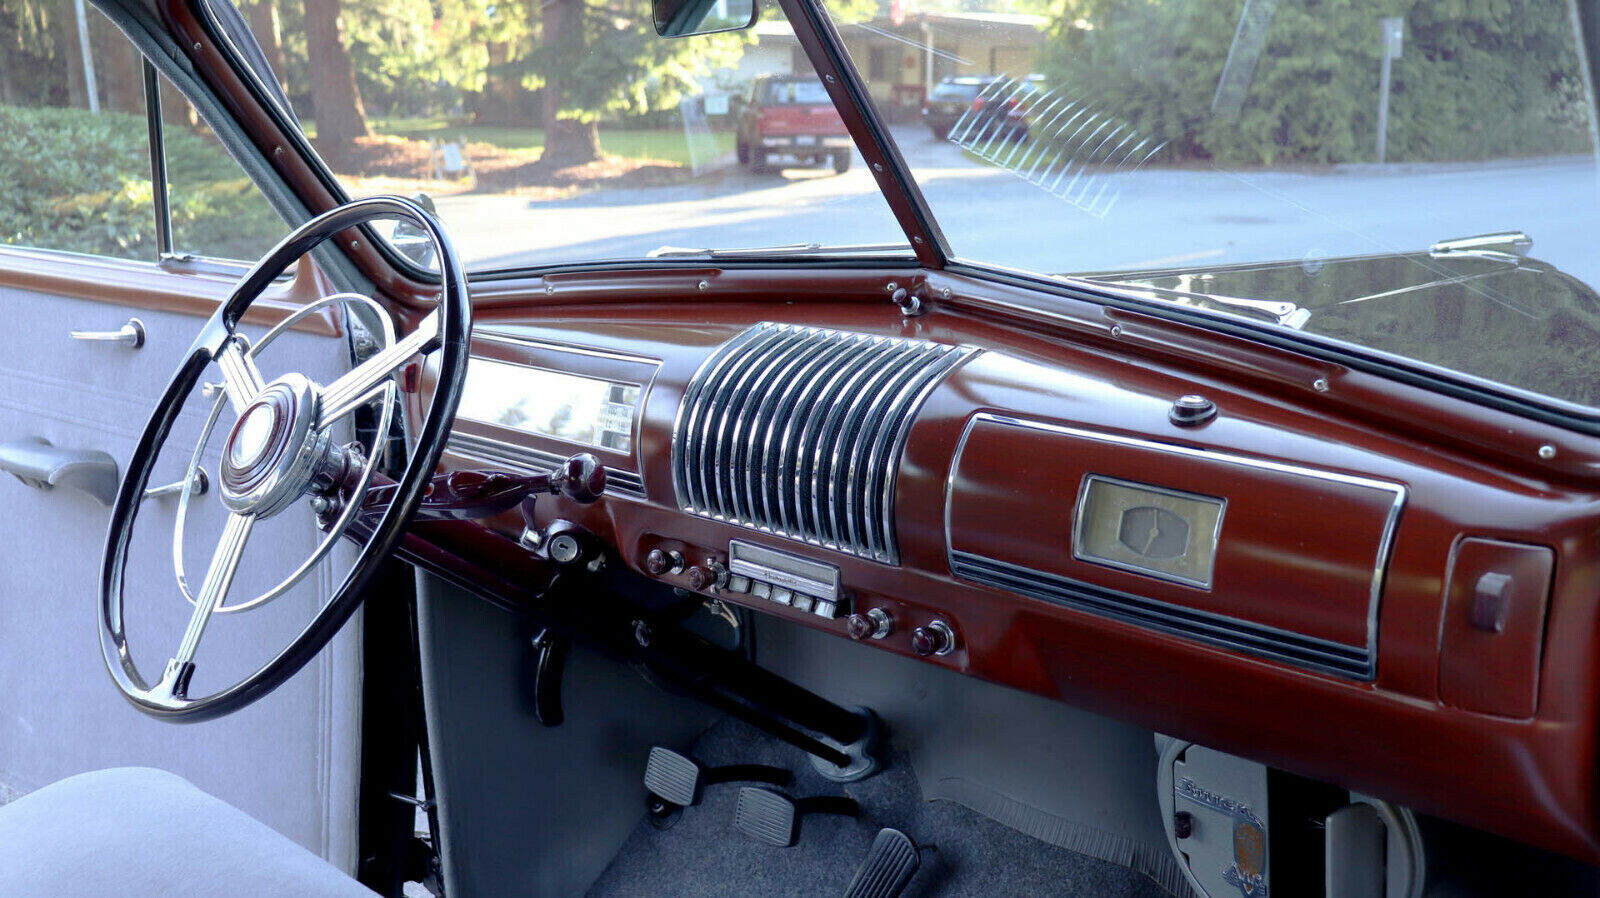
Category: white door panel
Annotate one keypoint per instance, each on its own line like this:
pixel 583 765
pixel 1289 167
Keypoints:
pixel 289 760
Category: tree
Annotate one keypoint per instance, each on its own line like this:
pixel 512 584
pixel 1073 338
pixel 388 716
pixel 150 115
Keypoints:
pixel 263 15
pixel 1474 82
pixel 597 58
pixel 334 96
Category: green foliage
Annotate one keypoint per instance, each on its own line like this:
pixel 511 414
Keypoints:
pixel 80 181
pixel 622 67
pixel 1477 79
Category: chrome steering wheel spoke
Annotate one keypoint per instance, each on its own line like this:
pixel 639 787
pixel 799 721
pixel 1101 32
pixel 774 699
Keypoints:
pixel 241 379
pixel 354 389
pixel 213 594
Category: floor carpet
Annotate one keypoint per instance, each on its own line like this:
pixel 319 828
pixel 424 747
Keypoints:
pixel 703 854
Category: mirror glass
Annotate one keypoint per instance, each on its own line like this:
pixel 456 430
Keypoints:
pixel 681 18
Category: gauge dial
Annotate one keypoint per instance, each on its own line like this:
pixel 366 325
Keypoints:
pixel 1148 530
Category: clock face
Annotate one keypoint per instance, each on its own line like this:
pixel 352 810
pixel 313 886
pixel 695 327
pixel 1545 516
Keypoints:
pixel 1154 532
pixel 1147 529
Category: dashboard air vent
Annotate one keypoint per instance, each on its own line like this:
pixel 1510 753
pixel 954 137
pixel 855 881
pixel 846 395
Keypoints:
pixel 798 431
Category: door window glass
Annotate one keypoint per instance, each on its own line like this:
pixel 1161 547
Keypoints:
pixel 76 160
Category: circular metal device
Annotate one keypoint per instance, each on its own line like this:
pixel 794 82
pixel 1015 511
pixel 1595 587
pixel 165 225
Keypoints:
pixel 274 449
pixel 1192 410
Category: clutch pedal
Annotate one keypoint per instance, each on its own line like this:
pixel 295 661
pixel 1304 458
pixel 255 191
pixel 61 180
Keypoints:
pixel 677 779
pixel 890 865
pixel 769 816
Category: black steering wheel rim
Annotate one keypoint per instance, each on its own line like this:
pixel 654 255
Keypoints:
pixel 452 344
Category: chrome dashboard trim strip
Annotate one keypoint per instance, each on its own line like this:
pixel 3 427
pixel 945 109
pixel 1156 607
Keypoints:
pixel 489 334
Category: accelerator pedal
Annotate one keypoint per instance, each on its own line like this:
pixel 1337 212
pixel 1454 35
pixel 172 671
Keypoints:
pixel 889 867
pixel 769 816
pixel 678 779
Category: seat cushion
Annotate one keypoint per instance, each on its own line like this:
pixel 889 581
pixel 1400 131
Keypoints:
pixel 132 832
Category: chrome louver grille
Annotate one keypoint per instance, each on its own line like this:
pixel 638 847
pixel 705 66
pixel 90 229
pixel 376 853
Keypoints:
pixel 797 431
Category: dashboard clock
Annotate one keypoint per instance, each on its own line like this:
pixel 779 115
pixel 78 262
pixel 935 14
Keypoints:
pixel 1147 529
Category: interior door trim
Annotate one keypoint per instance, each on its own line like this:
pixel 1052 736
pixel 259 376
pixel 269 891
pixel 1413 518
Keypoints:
pixel 147 285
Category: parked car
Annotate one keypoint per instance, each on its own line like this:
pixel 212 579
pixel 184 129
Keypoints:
pixel 950 99
pixel 1049 524
pixel 789 119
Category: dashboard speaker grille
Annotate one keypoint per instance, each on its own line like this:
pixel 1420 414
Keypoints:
pixel 798 431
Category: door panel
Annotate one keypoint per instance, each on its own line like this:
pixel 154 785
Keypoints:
pixel 289 760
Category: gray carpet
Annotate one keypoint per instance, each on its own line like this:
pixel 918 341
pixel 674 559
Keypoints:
pixel 704 855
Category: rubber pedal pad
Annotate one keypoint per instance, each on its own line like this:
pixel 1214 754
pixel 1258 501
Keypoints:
pixel 678 779
pixel 770 816
pixel 672 776
pixel 889 867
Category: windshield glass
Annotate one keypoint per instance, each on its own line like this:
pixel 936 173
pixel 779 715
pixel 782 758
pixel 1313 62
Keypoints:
pixel 552 132
pixel 1311 166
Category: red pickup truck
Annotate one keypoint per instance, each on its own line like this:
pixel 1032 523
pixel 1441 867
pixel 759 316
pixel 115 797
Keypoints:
pixel 789 120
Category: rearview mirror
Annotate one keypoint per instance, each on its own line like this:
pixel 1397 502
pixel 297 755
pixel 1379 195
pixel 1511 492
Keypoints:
pixel 681 18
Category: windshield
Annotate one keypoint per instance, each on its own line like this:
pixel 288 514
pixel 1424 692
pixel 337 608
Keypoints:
pixel 566 131
pixel 1310 166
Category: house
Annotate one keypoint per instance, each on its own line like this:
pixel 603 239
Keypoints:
pixel 902 57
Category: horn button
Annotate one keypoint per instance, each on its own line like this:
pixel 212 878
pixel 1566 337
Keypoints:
pixel 274 449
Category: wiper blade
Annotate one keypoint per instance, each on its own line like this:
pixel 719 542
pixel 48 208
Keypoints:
pixel 788 249
pixel 1279 312
pixel 1504 246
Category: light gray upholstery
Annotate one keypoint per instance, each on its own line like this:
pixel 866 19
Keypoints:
pixel 290 760
pixel 133 832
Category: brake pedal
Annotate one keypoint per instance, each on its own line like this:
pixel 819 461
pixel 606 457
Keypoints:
pixel 769 816
pixel 677 779
pixel 891 863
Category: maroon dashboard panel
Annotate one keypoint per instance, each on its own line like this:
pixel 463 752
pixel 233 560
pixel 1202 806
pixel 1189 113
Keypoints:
pixel 1283 657
pixel 1270 557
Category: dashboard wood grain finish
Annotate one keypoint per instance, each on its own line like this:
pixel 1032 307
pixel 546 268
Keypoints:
pixel 1532 779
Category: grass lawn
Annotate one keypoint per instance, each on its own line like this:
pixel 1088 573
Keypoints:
pixel 665 144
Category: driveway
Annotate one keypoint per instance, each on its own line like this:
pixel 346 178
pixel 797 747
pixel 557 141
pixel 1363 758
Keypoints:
pixel 1153 217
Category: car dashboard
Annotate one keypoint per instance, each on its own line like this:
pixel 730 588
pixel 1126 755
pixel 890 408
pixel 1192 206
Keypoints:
pixel 1269 554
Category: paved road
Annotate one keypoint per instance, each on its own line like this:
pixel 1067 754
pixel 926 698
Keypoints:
pixel 1158 217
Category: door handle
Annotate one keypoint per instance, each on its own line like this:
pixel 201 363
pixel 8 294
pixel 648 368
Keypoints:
pixel 35 462
pixel 130 335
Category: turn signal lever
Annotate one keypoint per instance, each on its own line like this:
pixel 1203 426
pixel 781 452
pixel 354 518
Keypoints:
pixel 471 495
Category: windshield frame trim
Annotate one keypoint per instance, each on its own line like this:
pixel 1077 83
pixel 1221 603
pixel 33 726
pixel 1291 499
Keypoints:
pixel 1411 372
pixel 825 48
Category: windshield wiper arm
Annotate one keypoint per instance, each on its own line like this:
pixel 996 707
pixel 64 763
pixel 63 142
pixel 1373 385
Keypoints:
pixel 788 249
pixel 1280 312
pixel 1504 246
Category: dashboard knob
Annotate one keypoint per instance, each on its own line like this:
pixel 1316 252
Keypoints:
pixel 659 562
pixel 699 578
pixel 859 626
pixel 876 623
pixel 935 639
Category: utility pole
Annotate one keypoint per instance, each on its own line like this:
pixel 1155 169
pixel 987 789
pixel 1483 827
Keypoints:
pixel 89 87
pixel 1393 33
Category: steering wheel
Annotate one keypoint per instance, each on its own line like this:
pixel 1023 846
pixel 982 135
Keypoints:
pixel 281 449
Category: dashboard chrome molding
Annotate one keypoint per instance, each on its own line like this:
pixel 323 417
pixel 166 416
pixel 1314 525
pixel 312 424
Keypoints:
pixel 490 334
pixel 1312 653
pixel 798 432
pixel 527 460
pixel 1315 653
